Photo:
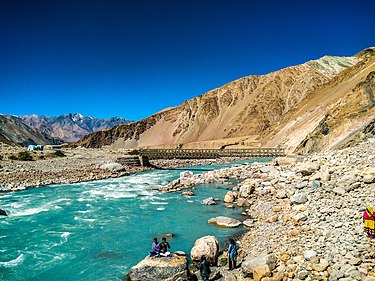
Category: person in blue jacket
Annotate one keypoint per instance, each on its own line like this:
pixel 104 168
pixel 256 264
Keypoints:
pixel 232 254
pixel 205 268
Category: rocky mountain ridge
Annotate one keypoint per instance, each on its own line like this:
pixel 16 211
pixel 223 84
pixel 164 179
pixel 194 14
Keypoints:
pixel 14 131
pixel 70 127
pixel 257 110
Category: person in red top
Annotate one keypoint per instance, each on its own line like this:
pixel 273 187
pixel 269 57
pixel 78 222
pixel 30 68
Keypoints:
pixel 369 221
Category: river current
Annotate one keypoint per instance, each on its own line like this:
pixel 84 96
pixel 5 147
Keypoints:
pixel 97 230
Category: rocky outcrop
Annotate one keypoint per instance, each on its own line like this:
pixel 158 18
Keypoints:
pixel 306 214
pixel 207 246
pixel 336 115
pixel 269 101
pixel 159 269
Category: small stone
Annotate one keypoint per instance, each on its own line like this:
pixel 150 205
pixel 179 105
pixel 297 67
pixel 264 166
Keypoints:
pixel 281 194
pixel 302 275
pixel 299 198
pixel 285 257
pixel 248 223
pixel 242 202
pixel 187 193
pixel 355 261
pixel 272 219
pixel 302 185
pixel 309 255
pixel 208 201
pixel 294 232
pixel 339 190
pixel 260 272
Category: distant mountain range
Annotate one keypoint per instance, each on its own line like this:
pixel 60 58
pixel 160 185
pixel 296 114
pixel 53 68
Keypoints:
pixel 319 105
pixel 36 129
pixel 14 131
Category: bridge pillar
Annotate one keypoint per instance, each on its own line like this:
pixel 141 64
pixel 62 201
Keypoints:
pixel 143 159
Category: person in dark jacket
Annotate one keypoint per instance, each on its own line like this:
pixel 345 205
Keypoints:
pixel 163 248
pixel 232 254
pixel 205 269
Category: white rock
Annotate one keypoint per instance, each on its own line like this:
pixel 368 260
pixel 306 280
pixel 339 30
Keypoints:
pixel 114 167
pixel 299 198
pixel 309 254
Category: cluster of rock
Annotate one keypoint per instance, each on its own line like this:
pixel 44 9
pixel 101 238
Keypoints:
pixel 304 216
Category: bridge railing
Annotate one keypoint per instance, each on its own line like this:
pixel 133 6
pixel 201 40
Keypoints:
pixel 210 153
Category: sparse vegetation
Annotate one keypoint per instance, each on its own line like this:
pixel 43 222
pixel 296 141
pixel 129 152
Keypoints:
pixel 1 157
pixel 39 156
pixel 24 156
pixel 59 153
pixel 12 157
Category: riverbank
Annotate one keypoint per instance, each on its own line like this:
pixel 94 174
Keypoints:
pixel 304 214
pixel 78 165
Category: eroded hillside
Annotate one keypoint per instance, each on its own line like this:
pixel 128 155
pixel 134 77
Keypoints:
pixel 335 114
pixel 255 110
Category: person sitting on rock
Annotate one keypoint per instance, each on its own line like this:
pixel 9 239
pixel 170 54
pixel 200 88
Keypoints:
pixel 232 254
pixel 163 248
pixel 155 248
pixel 205 268
pixel 369 221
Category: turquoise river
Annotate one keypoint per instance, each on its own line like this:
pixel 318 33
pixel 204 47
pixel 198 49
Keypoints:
pixel 97 230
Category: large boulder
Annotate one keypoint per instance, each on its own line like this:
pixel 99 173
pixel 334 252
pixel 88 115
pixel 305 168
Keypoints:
pixel 247 188
pixel 286 161
pixel 208 246
pixel 225 222
pixel 369 175
pixel 114 167
pixel 254 263
pixel 308 168
pixel 229 197
pixel 158 269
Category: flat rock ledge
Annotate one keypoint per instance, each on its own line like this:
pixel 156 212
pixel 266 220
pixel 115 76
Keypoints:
pixel 225 222
pixel 158 269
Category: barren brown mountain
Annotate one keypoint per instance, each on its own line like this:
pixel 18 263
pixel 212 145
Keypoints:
pixel 308 107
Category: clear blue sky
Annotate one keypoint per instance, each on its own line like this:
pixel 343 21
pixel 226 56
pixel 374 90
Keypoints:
pixel 134 58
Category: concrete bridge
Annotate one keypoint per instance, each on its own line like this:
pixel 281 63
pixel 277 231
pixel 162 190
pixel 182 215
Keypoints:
pixel 210 153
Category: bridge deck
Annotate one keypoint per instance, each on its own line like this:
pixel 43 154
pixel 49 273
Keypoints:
pixel 210 153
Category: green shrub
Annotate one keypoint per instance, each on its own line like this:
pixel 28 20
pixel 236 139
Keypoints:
pixel 39 156
pixel 24 156
pixel 59 153
pixel 12 157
